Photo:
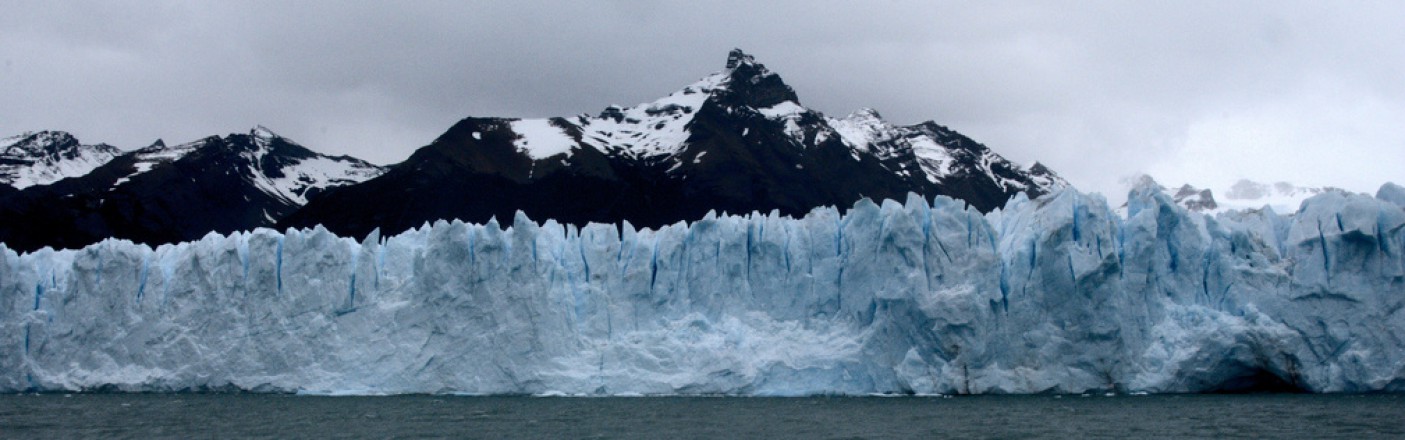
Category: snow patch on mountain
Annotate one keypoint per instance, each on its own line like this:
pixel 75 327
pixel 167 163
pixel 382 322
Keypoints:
pixel 936 160
pixel 315 172
pixel 862 131
pixel 541 138
pixel 657 128
pixel 295 176
pixel 788 113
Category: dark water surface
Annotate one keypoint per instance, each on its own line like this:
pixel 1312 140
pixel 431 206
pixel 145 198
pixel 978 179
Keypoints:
pixel 284 416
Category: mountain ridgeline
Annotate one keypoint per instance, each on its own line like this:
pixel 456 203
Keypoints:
pixel 166 194
pixel 735 141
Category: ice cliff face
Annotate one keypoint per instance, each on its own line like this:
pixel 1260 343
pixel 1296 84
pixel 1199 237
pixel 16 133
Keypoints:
pixel 1055 294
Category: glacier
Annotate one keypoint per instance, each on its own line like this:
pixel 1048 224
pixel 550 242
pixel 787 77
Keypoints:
pixel 1053 295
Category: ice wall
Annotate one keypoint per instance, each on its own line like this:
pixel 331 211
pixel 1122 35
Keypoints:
pixel 1056 294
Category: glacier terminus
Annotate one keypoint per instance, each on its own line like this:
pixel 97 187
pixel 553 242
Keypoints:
pixel 1056 294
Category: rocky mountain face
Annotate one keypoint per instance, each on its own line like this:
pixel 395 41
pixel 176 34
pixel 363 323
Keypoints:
pixel 46 157
pixel 166 194
pixel 735 141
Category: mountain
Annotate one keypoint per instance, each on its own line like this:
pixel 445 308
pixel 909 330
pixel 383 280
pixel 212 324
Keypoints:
pixel 1195 199
pixel 1281 196
pixel 166 194
pixel 735 141
pixel 46 157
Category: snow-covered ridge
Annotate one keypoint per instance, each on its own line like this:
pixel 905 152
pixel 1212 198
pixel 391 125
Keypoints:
pixel 288 177
pixel 652 129
pixel 1054 294
pixel 660 129
pixel 46 157
pixel 156 154
pixel 936 149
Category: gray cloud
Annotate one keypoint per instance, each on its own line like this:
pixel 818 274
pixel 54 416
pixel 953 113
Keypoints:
pixel 1201 92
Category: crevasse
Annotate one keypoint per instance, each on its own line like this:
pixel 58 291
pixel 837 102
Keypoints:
pixel 1056 294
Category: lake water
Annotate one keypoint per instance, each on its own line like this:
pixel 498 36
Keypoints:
pixel 286 416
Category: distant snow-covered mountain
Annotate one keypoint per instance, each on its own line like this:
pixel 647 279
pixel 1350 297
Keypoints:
pixel 734 141
pixel 45 157
pixel 169 193
pixel 277 166
pixel 1281 197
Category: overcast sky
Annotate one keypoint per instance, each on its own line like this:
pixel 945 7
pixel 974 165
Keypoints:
pixel 1199 92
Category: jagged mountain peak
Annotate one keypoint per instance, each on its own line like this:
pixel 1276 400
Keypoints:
pixel 277 165
pixel 1044 177
pixel 750 84
pixel 37 143
pixel 259 146
pixel 738 57
pixel 287 170
pixel 865 114
pixel 49 145
pixel 737 141
pixel 261 131
pixel 1195 199
pixel 45 157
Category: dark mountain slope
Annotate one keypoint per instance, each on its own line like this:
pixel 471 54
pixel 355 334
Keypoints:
pixel 736 141
pixel 162 194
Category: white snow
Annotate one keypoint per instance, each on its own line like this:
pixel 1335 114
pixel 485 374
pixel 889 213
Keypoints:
pixel 866 131
pixel 650 129
pixel 1051 295
pixel 861 129
pixel 316 172
pixel 790 113
pixel 936 160
pixel 540 138
pixel 787 109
